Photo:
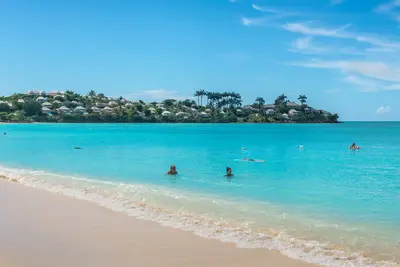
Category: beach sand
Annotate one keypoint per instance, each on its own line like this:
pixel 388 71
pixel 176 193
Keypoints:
pixel 39 229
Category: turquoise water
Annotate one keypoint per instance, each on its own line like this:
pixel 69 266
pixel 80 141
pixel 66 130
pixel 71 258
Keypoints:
pixel 322 203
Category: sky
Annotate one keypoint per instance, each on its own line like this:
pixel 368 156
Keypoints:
pixel 344 55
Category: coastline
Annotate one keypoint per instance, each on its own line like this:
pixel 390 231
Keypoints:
pixel 73 232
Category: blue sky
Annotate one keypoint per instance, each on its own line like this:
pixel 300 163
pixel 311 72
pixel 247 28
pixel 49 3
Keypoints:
pixel 344 55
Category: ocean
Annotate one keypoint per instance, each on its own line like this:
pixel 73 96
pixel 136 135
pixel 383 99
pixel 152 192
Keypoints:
pixel 321 203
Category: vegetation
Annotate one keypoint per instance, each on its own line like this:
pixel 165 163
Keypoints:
pixel 218 107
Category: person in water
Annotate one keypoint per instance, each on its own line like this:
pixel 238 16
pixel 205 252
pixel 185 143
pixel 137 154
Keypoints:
pixel 228 172
pixel 247 159
pixel 172 170
pixel 354 146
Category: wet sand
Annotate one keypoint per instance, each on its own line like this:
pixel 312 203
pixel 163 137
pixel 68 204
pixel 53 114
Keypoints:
pixel 40 229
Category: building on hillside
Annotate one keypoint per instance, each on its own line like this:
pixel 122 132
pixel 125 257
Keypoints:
pixel 293 112
pixel 21 101
pixel 293 105
pixel 47 105
pixel 41 99
pixel 269 111
pixel 63 109
pixel 46 110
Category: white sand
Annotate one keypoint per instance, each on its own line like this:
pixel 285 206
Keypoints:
pixel 40 229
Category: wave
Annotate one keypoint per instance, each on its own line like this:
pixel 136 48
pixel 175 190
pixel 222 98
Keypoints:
pixel 143 202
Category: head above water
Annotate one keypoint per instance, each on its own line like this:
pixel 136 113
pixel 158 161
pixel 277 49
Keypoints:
pixel 228 170
pixel 172 168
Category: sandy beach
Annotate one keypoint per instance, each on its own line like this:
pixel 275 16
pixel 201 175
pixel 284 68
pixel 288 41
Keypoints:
pixel 39 228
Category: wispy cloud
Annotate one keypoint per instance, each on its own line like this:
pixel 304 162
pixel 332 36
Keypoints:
pixel 374 70
pixel 336 2
pixel 383 110
pixel 305 45
pixel 273 11
pixel 389 9
pixel 252 21
pixel 341 33
pixel 371 85
pixel 156 95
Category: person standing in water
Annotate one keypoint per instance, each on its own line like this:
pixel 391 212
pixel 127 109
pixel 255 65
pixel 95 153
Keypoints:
pixel 172 170
pixel 229 172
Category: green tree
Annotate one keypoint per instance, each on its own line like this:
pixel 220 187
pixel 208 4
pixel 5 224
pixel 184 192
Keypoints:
pixel 139 107
pixel 147 113
pixel 4 107
pixel 92 93
pixel 32 108
pixel 302 99
pixel 169 102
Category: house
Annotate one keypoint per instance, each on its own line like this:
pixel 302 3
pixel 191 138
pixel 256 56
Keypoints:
pixel 41 99
pixel 112 104
pixel 30 92
pixel 208 110
pixel 292 112
pixel 293 105
pixel 57 102
pixel 152 110
pixel 204 114
pixel 42 93
pixel 63 109
pixel 107 109
pixel 76 103
pixel 166 113
pixel 128 105
pixel 79 109
pixel 285 116
pixel 181 114
pixel 47 104
pixel 239 111
pixel 269 111
pixel 46 110
pixel 95 110
pixel 21 101
pixel 101 105
pixel 269 106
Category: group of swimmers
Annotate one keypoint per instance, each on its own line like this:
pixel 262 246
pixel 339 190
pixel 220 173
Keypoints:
pixel 173 171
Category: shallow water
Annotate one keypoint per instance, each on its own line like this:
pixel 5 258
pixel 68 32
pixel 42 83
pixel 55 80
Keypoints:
pixel 322 203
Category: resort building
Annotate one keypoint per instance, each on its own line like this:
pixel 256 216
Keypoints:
pixel 41 99
pixel 63 109
pixel 293 112
pixel 47 105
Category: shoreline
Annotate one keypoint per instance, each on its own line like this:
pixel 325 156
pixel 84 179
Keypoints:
pixel 73 232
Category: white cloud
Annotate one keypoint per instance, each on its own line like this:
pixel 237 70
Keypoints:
pixel 272 10
pixel 383 109
pixel 252 21
pixel 157 95
pixel 339 33
pixel 389 9
pixel 370 85
pixel 370 69
pixel 306 45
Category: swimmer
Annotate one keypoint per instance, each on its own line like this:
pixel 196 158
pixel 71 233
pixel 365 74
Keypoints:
pixel 172 170
pixel 243 148
pixel 246 159
pixel 301 146
pixel 77 147
pixel 354 146
pixel 5 133
pixel 229 172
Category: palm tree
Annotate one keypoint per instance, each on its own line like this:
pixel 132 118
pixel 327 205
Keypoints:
pixel 92 93
pixel 202 93
pixel 197 94
pixel 282 99
pixel 302 99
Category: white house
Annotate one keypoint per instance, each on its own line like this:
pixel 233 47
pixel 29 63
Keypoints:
pixel 95 110
pixel 21 101
pixel 79 109
pixel 112 104
pixel 128 105
pixel 269 111
pixel 152 110
pixel 293 112
pixel 46 110
pixel 181 114
pixel 63 109
pixel 208 110
pixel 42 93
pixel 204 114
pixel 41 99
pixel 107 109
pixel 30 92
pixel 101 105
pixel 194 110
pixel 285 116
pixel 166 113
pixel 47 105
pixel 76 103
pixel 57 102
